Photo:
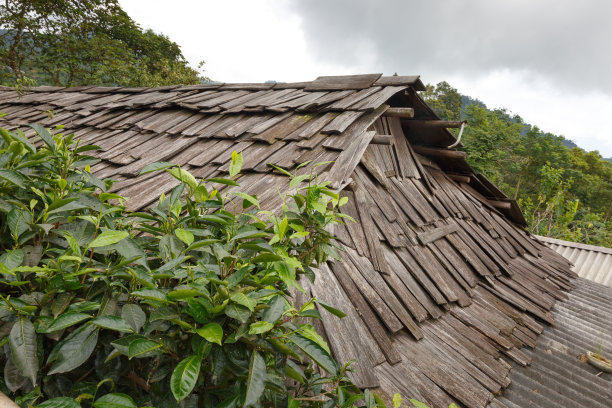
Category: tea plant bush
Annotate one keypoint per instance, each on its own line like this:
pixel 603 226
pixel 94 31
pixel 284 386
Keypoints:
pixel 188 303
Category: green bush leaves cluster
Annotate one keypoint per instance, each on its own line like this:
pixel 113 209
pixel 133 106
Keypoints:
pixel 189 301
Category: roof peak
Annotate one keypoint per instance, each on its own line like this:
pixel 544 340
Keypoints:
pixel 321 83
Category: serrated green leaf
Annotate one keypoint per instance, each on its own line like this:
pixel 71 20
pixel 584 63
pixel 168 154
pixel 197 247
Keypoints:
pixel 115 400
pixel 112 323
pixel 44 134
pixel 222 180
pixel 185 376
pixel 60 402
pixel 331 309
pixel 260 327
pixel 134 316
pixel 266 257
pixel 237 312
pixel 22 342
pixel 236 164
pixel 418 404
pixel 65 320
pixel 184 235
pixel 317 353
pixel 108 238
pixel 151 294
pixel 142 346
pixel 256 382
pixel 276 307
pixel 14 177
pixel 212 332
pixel 251 199
pixel 243 300
pixel 149 168
pixel 184 176
pixel 75 350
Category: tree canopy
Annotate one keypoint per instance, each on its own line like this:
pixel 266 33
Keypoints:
pixel 565 192
pixel 85 42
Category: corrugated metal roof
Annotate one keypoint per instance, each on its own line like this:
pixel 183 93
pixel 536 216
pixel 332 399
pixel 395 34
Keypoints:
pixel 590 261
pixel 557 377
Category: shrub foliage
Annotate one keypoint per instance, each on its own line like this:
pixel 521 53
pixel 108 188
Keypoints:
pixel 188 302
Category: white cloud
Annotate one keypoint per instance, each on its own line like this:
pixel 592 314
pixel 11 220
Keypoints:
pixel 544 67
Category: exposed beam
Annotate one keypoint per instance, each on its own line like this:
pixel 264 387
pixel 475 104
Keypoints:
pixel 437 152
pixel 502 205
pixel 459 178
pixel 433 123
pixel 382 139
pixel 399 112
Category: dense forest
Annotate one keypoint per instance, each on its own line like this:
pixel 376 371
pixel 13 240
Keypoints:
pixel 564 191
pixel 85 42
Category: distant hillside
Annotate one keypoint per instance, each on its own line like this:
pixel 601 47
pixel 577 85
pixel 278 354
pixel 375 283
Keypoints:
pixel 468 100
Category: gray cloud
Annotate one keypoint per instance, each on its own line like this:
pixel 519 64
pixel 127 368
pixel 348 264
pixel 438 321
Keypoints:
pixel 566 42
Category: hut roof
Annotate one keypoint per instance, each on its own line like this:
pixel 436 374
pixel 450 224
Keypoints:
pixel 442 287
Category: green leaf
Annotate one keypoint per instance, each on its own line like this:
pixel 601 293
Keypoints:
pixel 184 235
pixel 134 316
pixel 75 350
pixel 418 404
pixel 142 346
pixel 256 382
pixel 18 221
pixel 23 343
pixel 112 323
pixel 251 199
pixel 185 377
pixel 184 176
pixel 212 332
pixel 149 168
pixel 276 307
pixel 397 400
pixel 60 203
pixel 331 309
pixel 44 135
pixel 183 294
pixel 222 180
pixel 108 238
pixel 236 164
pixel 243 300
pixel 260 327
pixel 60 402
pixel 115 400
pixel 65 320
pixel 317 353
pixel 238 312
pixel 12 259
pixel 369 399
pixel 266 257
pixel 14 177
pixel 282 228
pixel 151 294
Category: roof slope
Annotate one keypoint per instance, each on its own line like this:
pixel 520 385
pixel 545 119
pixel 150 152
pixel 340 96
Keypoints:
pixel 557 377
pixel 590 261
pixel 441 288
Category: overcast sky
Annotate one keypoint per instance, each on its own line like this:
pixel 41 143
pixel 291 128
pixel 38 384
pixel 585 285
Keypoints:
pixel 550 61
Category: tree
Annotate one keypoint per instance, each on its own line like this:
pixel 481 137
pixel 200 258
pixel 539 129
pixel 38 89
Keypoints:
pixel 85 42
pixel 564 192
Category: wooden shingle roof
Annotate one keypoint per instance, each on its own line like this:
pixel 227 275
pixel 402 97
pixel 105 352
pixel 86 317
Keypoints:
pixel 441 286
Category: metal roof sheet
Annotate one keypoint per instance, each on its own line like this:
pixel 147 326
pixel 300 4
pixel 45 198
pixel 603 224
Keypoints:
pixel 590 261
pixel 557 377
